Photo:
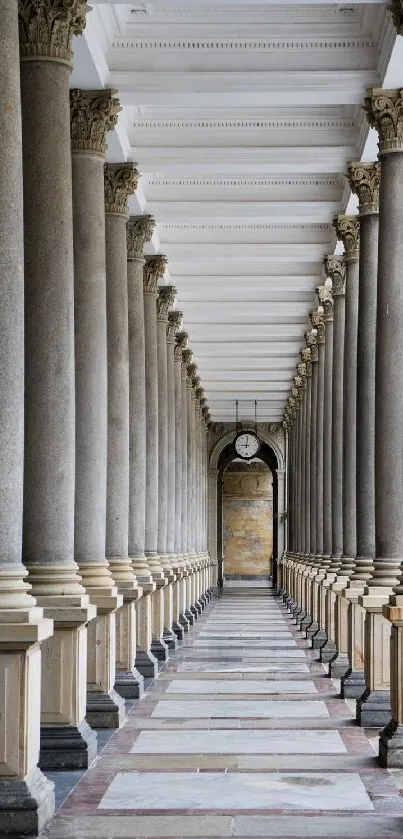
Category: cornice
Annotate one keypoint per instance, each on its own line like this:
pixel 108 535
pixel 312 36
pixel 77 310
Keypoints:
pixel 244 183
pixel 195 226
pixel 247 124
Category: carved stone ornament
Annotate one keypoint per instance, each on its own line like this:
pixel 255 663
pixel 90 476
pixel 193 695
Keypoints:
pixel 317 320
pixel 335 268
pixel 348 231
pixel 305 355
pixel 364 180
pixel 311 339
pixel 47 27
pixel 325 298
pixel 120 181
pixel 396 7
pixel 384 109
pixel 139 231
pixel 165 299
pixel 174 324
pixel 181 340
pixel 187 356
pixel 92 114
pixel 154 270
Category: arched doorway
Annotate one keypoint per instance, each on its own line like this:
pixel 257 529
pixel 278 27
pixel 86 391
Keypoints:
pixel 226 460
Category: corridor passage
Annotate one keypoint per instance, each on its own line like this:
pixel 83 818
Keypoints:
pixel 242 734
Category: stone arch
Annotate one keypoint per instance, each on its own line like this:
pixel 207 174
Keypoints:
pixel 264 435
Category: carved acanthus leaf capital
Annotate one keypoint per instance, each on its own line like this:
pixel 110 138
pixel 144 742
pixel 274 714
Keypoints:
pixel 120 181
pixel 181 340
pixel 47 27
pixel 294 390
pixel 139 231
pixel 174 324
pixel 348 231
pixel 335 268
pixel 165 299
pixel 154 270
pixel 364 180
pixel 326 301
pixel 92 114
pixel 311 339
pixel 317 322
pixel 187 356
pixel 384 109
pixel 396 7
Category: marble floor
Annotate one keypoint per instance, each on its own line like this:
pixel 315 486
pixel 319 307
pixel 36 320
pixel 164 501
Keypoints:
pixel 242 734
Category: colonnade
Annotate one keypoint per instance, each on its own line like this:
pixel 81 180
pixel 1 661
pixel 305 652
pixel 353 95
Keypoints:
pixel 103 436
pixel 342 572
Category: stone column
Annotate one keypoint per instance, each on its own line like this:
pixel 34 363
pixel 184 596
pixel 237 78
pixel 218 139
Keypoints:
pixel 191 610
pixel 348 231
pixel 311 339
pixel 301 613
pixel 326 305
pixel 165 299
pixel 364 182
pixel 48 521
pixel 120 182
pixel 317 350
pixel 153 271
pixel 175 466
pixel 335 267
pixel 93 114
pixel 186 617
pixel 26 796
pixel 139 231
pixel 385 113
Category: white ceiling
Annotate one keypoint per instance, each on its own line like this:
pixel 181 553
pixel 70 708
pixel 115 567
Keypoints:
pixel 242 118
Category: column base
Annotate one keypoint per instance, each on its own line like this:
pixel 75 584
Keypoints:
pixel 105 710
pixel 190 616
pixel 328 651
pixel 146 664
pixel 306 621
pixel 353 684
pixel 170 639
pixel 185 622
pixel 179 630
pixel 159 649
pixel 391 746
pixel 298 612
pixel 26 805
pixel 339 666
pixel 67 746
pixel 319 639
pixel 196 610
pixel 129 684
pixel 312 629
pixel 373 709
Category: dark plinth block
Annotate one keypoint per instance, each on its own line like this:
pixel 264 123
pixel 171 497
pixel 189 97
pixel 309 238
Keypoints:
pixel 353 684
pixel 319 639
pixel 339 666
pixel 328 651
pixel 26 805
pixel 373 709
pixel 146 664
pixel 67 746
pixel 179 630
pixel 169 638
pixel 105 710
pixel 129 684
pixel 391 746
pixel 159 649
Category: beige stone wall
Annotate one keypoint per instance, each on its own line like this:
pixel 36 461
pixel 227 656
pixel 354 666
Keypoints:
pixel 247 519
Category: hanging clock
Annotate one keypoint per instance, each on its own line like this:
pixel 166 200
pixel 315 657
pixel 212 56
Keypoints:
pixel 247 444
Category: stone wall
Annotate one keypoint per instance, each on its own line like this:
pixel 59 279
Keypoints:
pixel 247 519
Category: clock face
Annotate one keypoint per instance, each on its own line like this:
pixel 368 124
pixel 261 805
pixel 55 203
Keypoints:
pixel 247 445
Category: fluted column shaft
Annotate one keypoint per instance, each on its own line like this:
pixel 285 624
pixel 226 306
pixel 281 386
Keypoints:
pixel 20 777
pixel 49 450
pixel 120 182
pixel 364 181
pixel 384 110
pixel 93 114
pixel 312 469
pixel 139 231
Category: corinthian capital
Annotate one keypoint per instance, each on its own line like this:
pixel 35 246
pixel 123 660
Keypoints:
pixel 317 321
pixel 294 391
pixel 364 179
pixel 47 27
pixel 165 299
pixel 120 181
pixel 92 114
pixel 325 298
pixel 174 324
pixel 335 268
pixel 154 270
pixel 348 231
pixel 384 109
pixel 396 7
pixel 311 339
pixel 139 231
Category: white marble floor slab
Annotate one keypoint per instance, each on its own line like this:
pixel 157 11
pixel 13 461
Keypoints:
pixel 240 686
pixel 239 742
pixel 210 642
pixel 273 667
pixel 242 708
pixel 230 635
pixel 247 652
pixel 235 791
